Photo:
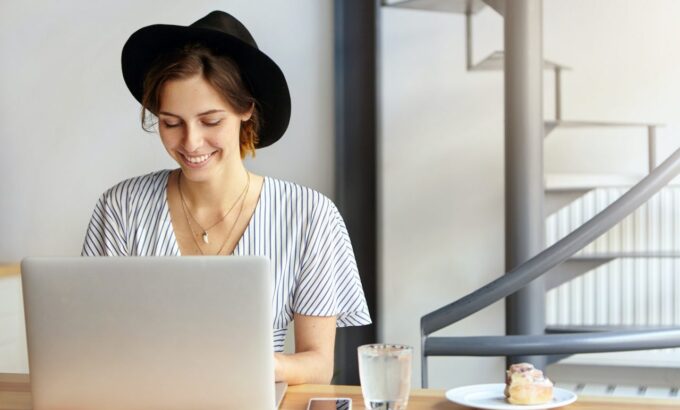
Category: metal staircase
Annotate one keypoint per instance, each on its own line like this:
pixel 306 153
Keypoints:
pixel 561 262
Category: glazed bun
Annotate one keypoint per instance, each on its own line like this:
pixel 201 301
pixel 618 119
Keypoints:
pixel 525 384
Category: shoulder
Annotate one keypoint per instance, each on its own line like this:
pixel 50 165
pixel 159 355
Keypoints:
pixel 143 183
pixel 304 207
pixel 137 187
pixel 303 198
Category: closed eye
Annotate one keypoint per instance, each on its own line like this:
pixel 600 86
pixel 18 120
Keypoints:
pixel 177 124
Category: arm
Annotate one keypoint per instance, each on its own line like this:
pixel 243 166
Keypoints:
pixel 313 359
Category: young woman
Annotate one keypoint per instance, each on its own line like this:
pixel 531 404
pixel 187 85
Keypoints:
pixel 216 98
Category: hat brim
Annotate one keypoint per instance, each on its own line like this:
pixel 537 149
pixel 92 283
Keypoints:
pixel 261 74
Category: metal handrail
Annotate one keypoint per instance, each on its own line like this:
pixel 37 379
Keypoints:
pixel 533 268
pixel 518 345
pixel 520 276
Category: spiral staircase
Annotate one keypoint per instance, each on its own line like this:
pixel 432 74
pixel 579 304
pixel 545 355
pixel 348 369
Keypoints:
pixel 564 261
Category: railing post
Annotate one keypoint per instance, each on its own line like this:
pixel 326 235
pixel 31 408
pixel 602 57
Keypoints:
pixel 524 223
pixel 423 363
pixel 558 93
pixel 468 38
pixel 651 147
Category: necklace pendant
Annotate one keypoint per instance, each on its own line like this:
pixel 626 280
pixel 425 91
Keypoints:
pixel 205 238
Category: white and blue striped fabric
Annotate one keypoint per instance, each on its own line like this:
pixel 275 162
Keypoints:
pixel 297 228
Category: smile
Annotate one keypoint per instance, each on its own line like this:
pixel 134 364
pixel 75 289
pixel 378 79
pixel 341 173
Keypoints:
pixel 197 160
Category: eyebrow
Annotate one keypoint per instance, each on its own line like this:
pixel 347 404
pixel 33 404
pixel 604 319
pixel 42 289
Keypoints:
pixel 198 115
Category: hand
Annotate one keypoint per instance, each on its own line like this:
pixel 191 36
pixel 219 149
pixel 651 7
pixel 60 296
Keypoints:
pixel 312 361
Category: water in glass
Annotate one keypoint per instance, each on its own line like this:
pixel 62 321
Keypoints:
pixel 385 373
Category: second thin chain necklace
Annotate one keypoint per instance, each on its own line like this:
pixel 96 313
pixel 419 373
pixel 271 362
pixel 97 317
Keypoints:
pixel 187 213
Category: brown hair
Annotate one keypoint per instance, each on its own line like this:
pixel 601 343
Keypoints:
pixel 219 71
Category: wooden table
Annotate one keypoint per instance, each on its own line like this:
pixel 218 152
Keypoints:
pixel 11 269
pixel 15 394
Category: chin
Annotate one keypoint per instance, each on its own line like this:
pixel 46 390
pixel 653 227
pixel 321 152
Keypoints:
pixel 196 175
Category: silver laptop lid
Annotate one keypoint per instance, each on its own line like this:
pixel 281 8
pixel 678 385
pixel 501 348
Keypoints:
pixel 151 333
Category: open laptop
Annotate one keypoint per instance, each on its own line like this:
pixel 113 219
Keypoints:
pixel 150 333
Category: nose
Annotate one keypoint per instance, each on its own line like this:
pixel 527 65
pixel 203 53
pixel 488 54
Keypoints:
pixel 193 140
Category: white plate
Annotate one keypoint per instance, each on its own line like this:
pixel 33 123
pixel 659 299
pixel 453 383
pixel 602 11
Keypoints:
pixel 491 397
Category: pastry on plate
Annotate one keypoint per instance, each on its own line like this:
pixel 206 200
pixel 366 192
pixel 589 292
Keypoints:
pixel 524 384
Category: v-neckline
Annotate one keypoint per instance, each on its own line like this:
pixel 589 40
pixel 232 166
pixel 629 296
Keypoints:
pixel 237 248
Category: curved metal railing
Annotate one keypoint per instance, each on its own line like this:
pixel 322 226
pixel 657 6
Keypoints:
pixel 567 343
pixel 520 276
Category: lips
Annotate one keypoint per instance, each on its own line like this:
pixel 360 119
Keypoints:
pixel 197 161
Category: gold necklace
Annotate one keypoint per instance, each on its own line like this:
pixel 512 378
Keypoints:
pixel 205 237
pixel 238 216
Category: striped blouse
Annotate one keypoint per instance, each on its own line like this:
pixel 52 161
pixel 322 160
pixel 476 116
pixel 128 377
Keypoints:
pixel 297 228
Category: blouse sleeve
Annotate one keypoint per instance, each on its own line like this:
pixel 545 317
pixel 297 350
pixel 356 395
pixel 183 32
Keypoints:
pixel 105 234
pixel 329 283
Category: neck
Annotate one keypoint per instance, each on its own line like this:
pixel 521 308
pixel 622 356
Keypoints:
pixel 217 193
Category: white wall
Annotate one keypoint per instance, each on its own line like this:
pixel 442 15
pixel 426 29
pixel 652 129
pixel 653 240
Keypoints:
pixel 441 183
pixel 624 56
pixel 70 128
pixel 442 147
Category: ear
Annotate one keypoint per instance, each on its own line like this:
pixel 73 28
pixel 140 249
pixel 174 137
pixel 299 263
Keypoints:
pixel 246 115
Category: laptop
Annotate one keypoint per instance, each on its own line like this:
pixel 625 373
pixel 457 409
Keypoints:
pixel 150 332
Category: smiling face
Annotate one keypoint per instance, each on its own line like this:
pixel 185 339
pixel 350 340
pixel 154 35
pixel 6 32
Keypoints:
pixel 198 128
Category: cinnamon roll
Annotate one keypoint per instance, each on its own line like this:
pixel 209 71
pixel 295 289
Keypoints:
pixel 525 384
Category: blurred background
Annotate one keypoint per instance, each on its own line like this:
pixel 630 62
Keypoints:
pixel 70 129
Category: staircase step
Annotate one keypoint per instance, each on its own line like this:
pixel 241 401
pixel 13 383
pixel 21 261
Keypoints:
pixel 571 269
pixel 667 359
pixel 563 189
pixel 496 60
pixel 623 392
pixel 558 199
pixel 577 182
pixel 579 264
pixel 447 6
pixel 550 125
pixel 602 328
pixel 498 5
pixel 627 255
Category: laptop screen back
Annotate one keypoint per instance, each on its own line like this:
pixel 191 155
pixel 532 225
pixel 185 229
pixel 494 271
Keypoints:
pixel 152 333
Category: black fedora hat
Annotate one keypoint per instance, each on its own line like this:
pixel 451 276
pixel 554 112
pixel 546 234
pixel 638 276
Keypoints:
pixel 225 35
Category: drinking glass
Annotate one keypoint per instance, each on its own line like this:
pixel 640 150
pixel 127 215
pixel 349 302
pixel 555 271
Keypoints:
pixel 385 374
